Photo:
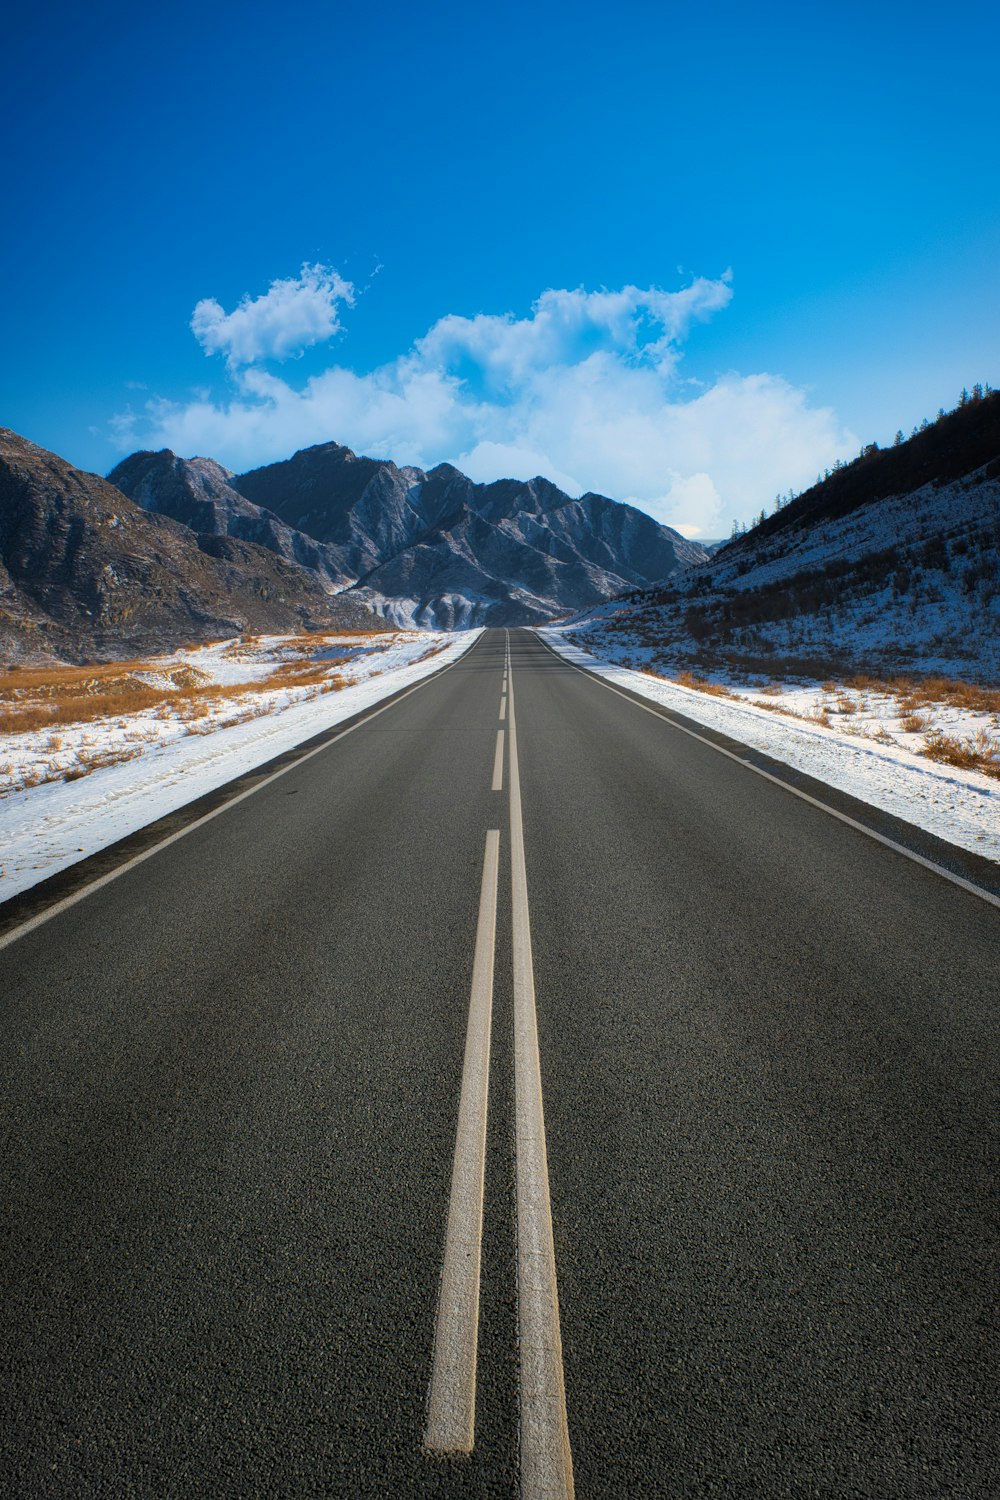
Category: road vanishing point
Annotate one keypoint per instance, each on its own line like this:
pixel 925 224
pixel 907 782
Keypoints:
pixel 511 1095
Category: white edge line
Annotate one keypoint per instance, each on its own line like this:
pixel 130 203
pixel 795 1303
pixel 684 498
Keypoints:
pixel 498 764
pixel 546 1459
pixel 880 838
pixel 451 1407
pixel 102 880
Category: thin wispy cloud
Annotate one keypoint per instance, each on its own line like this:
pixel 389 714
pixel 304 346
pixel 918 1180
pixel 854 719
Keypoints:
pixel 586 389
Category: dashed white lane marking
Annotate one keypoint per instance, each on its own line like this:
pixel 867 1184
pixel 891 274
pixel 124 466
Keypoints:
pixel 498 764
pixel 546 1460
pixel 503 709
pixel 451 1411
pixel 880 838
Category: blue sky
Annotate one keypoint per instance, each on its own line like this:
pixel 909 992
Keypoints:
pixel 685 255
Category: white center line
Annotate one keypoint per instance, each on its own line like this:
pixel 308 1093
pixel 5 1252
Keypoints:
pixel 498 764
pixel 451 1411
pixel 546 1460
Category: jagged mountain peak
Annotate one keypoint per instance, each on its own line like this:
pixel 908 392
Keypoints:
pixel 430 547
pixel 87 573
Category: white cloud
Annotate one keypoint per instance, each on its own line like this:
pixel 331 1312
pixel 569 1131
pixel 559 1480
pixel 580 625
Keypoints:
pixel 584 390
pixel 566 328
pixel 291 315
pixel 692 505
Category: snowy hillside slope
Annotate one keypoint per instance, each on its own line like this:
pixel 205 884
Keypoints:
pixel 858 609
pixel 910 584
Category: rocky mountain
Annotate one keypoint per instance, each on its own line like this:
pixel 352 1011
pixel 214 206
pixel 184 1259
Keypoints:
pixel 86 574
pixel 890 565
pixel 199 493
pixel 432 549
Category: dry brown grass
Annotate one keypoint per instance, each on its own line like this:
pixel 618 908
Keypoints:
pixel 44 698
pixel 915 693
pixel 308 645
pixel 84 764
pixel 50 698
pixel 913 723
pixel 701 685
pixel 296 674
pixel 976 752
pixel 781 708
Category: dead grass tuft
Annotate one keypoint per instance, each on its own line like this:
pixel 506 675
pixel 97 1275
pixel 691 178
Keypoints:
pixel 916 693
pixel 296 674
pixel 977 752
pixel 84 764
pixel 701 685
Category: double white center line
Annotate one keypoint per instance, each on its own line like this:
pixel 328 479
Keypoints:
pixel 546 1461
pixel 451 1412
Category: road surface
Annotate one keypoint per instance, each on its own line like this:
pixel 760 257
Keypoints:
pixel 515 1096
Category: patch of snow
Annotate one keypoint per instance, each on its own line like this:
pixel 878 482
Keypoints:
pixel 167 761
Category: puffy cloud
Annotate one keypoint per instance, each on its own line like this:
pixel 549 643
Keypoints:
pixel 566 328
pixel 585 390
pixel 291 315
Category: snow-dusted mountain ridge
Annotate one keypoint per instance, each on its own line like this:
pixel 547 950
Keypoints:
pixel 432 549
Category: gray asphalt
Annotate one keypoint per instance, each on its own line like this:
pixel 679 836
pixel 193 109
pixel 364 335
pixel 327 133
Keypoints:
pixel 769 1056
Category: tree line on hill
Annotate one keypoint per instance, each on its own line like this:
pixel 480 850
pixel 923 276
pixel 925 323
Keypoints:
pixel 979 394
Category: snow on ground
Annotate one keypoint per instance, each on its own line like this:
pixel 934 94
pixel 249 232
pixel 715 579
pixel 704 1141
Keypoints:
pixel 906 585
pixel 863 750
pixel 128 769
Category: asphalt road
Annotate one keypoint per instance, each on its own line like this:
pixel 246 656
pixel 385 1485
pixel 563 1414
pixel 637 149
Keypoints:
pixel 768 1052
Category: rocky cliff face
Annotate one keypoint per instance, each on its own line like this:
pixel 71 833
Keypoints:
pixel 436 549
pixel 198 492
pixel 85 573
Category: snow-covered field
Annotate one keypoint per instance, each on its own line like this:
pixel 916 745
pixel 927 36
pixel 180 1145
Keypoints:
pixel 865 741
pixel 68 789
